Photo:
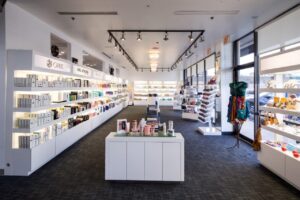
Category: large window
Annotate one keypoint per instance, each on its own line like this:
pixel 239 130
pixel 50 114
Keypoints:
pixel 244 54
pixel 247 75
pixel 246 50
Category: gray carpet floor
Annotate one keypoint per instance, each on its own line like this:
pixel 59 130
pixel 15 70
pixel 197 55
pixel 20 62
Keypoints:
pixel 211 171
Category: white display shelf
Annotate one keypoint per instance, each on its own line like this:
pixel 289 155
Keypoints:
pixel 283 133
pixel 20 63
pixel 281 111
pixel 211 101
pixel 210 131
pixel 280 90
pixel 190 116
pixel 281 69
pixel 26 130
pixel 56 105
pixel 47 89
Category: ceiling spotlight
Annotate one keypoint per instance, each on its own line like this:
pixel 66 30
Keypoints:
pixel 191 37
pixel 120 50
pixel 123 36
pixel 139 38
pixel 109 38
pixel 166 36
pixel 116 45
pixel 186 55
pixel 202 38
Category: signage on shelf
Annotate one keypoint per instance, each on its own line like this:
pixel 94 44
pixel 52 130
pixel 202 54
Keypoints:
pixel 98 75
pixel 78 70
pixel 51 64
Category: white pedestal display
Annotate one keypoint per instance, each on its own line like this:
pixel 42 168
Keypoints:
pixel 144 158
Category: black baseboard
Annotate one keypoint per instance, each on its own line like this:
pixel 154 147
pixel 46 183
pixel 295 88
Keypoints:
pixel 227 133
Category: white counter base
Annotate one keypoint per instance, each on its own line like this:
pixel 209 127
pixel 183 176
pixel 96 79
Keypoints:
pixel 283 164
pixel 190 116
pixel 144 158
pixel 212 131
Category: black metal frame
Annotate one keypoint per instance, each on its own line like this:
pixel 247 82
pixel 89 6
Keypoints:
pixel 174 66
pixel 2 4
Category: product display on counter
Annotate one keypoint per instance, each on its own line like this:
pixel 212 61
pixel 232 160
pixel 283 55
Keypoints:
pixel 149 127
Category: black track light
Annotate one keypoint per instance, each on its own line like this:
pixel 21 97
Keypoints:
pixel 123 36
pixel 195 45
pixel 139 38
pixel 190 52
pixel 186 55
pixel 109 38
pixel 166 36
pixel 116 45
pixel 201 38
pixel 191 37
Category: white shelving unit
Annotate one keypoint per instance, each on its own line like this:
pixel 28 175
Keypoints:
pixel 206 109
pixel 282 67
pixel 24 160
pixel 164 89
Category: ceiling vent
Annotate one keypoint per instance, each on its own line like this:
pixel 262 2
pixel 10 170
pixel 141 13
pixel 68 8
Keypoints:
pixel 207 12
pixel 89 13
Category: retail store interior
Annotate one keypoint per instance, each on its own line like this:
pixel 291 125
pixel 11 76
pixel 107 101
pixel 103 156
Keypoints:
pixel 150 99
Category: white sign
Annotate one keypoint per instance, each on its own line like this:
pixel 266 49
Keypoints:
pixel 78 70
pixel 51 64
pixel 98 75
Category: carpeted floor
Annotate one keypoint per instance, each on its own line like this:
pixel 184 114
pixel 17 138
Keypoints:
pixel 211 171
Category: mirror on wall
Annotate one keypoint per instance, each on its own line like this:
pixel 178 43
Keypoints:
pixel 60 48
pixel 92 61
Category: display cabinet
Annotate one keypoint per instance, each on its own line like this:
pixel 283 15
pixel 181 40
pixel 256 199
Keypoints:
pixel 165 91
pixel 279 107
pixel 53 103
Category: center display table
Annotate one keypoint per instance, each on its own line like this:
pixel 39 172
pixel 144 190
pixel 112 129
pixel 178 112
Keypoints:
pixel 144 158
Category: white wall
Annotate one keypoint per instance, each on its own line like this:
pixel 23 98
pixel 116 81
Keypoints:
pixel 226 78
pixel 25 31
pixel 154 76
pixel 2 88
pixel 281 32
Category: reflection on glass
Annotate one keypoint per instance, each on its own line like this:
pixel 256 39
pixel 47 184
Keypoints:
pixel 247 75
pixel 246 50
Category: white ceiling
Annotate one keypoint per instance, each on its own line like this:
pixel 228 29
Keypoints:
pixel 134 14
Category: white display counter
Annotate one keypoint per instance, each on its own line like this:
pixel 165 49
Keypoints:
pixel 144 158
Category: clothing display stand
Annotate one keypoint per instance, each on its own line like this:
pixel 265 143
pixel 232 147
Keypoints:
pixel 206 109
pixel 238 109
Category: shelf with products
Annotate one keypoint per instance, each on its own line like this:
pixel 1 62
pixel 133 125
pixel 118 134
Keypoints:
pixel 54 104
pixel 165 90
pixel 279 105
